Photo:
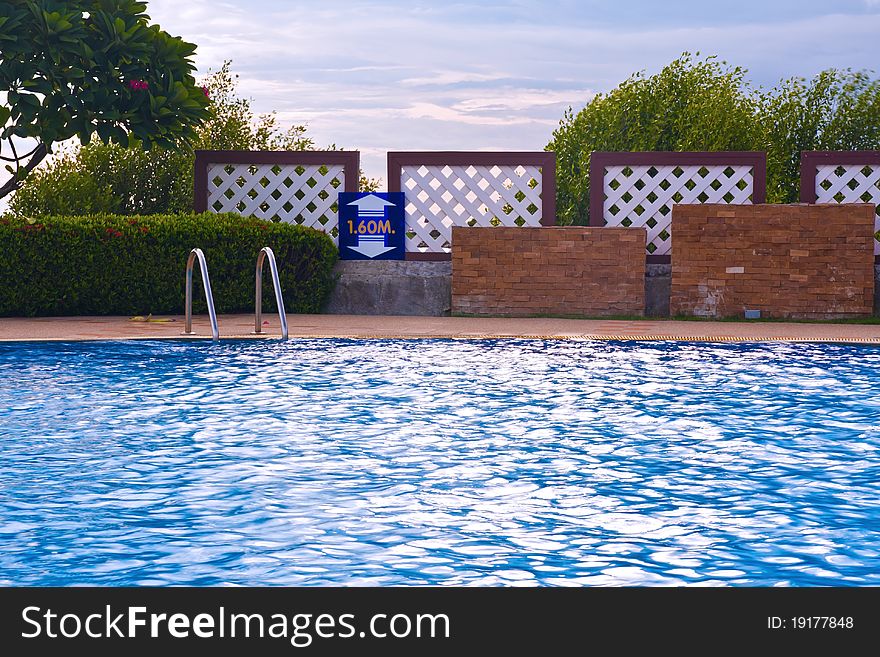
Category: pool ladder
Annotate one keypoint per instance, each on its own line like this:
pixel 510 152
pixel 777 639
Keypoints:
pixel 265 253
pixel 206 282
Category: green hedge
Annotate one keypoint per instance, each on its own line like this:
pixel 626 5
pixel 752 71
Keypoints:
pixel 114 265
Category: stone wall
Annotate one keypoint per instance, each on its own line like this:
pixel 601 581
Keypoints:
pixel 787 261
pixel 548 271
pixel 391 287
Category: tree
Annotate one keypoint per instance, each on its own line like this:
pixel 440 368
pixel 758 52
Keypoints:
pixel 233 125
pixel 708 106
pixel 90 67
pixel 699 105
pixel 835 110
pixel 113 179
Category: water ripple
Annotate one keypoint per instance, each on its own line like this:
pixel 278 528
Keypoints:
pixel 506 462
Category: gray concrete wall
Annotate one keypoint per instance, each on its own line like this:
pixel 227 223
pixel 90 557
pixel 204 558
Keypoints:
pixel 395 287
pixel 658 279
pixel 877 290
pixel 391 287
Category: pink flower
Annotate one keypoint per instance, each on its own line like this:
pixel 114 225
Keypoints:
pixel 206 92
pixel 138 85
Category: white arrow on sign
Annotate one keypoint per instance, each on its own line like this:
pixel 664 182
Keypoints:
pixel 371 246
pixel 371 205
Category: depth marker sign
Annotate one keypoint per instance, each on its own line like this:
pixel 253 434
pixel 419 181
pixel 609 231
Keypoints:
pixel 372 226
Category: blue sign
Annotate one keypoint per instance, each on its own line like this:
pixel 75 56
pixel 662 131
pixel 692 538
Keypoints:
pixel 372 226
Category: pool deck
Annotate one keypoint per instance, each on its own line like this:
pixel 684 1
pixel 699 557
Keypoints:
pixel 363 326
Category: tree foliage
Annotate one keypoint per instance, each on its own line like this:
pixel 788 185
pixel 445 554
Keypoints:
pixel 108 178
pixel 689 105
pixel 234 126
pixel 705 105
pixel 835 110
pixel 78 68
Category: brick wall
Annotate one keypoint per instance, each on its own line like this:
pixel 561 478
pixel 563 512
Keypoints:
pixel 788 261
pixel 552 271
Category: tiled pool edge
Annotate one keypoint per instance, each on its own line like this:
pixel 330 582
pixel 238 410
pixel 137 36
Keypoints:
pixel 573 338
pixel 240 327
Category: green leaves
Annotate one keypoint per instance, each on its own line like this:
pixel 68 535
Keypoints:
pixel 707 105
pixel 689 105
pixel 835 110
pixel 108 132
pixel 81 67
pixel 148 178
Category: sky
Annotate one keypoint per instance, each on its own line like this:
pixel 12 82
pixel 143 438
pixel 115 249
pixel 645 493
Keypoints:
pixel 380 76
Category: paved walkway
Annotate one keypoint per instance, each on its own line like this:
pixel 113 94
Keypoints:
pixel 362 326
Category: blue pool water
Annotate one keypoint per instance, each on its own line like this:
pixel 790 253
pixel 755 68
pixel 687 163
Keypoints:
pixel 509 462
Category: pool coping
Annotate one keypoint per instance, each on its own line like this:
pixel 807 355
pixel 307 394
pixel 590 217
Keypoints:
pixel 240 326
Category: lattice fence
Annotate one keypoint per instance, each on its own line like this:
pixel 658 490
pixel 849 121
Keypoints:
pixel 843 177
pixel 640 189
pixel 470 189
pixel 294 187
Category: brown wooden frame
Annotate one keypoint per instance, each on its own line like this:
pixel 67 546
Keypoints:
pixel 350 160
pixel 811 159
pixel 544 159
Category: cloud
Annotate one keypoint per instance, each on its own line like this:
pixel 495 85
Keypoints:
pixel 443 113
pixel 445 78
pixel 521 100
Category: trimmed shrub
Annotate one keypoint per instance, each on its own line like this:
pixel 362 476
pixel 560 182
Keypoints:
pixel 114 265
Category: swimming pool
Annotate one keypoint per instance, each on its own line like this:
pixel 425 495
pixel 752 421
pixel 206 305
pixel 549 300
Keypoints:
pixel 441 462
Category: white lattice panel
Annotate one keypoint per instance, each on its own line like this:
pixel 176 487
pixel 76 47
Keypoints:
pixel 643 195
pixel 440 197
pixel 850 183
pixel 299 194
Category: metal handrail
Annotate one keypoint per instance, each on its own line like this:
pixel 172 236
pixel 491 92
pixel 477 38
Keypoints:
pixel 206 282
pixel 276 283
